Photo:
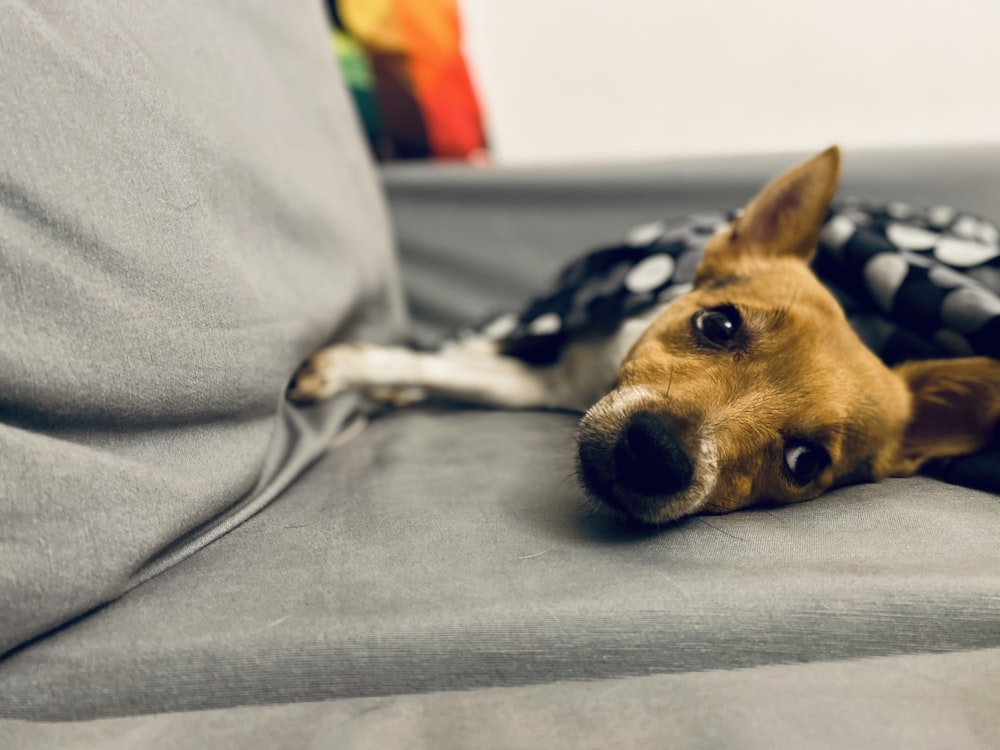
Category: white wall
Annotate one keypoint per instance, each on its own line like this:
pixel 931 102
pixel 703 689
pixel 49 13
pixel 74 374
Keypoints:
pixel 612 80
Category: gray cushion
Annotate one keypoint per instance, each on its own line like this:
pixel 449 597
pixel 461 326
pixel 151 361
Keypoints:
pixel 186 210
pixel 907 702
pixel 453 550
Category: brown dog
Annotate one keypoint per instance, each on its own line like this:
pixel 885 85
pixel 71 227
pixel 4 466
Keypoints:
pixel 751 388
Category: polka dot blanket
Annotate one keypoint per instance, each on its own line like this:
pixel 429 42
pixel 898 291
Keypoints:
pixel 915 284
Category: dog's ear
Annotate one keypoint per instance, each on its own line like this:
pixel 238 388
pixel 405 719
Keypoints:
pixel 785 218
pixel 956 409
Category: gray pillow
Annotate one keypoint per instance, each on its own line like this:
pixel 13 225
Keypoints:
pixel 186 210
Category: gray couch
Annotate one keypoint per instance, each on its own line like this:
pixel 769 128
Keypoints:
pixel 186 560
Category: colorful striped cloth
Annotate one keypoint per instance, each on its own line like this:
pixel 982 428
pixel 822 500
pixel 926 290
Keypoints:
pixel 404 64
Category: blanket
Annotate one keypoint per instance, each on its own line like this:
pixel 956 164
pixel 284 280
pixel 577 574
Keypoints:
pixel 914 283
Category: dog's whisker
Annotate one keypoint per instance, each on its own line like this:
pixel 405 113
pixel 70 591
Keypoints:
pixel 717 507
pixel 721 531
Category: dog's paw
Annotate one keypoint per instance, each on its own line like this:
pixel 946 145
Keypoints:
pixel 323 374
pixel 395 395
pixel 385 375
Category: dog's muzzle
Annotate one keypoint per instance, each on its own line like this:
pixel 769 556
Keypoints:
pixel 636 467
pixel 649 458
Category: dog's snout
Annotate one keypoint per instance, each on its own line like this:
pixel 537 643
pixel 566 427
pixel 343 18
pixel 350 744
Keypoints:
pixel 649 457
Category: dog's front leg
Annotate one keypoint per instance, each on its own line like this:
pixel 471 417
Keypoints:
pixel 472 372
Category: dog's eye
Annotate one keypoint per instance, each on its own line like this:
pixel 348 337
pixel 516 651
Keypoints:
pixel 718 324
pixel 804 462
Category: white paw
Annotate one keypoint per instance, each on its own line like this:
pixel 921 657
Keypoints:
pixel 395 395
pixel 326 372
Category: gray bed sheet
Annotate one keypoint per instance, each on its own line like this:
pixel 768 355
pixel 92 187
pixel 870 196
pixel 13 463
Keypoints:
pixel 443 550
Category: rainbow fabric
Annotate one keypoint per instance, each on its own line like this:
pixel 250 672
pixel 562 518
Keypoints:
pixel 404 63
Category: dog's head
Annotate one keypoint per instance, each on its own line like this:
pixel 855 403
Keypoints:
pixel 753 388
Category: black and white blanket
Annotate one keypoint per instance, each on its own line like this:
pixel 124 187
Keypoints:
pixel 915 284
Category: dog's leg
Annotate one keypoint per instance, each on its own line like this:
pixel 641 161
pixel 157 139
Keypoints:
pixel 472 372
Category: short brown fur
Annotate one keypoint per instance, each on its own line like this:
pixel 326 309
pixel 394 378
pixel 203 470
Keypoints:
pixel 799 373
pixel 697 423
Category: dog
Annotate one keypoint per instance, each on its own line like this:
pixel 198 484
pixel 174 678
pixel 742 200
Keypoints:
pixel 747 387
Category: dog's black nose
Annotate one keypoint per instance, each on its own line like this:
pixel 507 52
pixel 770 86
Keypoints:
pixel 649 457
